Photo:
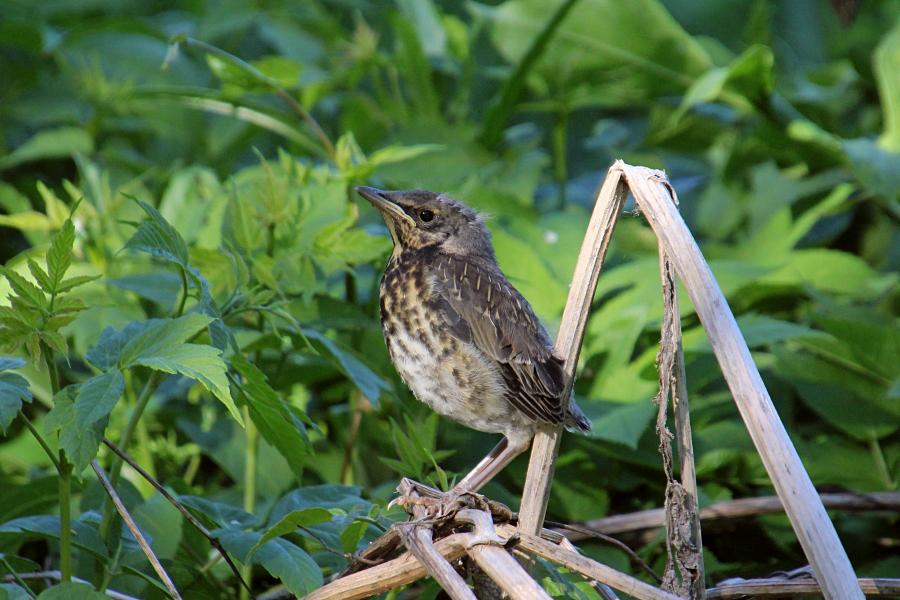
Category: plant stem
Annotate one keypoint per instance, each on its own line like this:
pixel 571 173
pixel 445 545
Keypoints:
pixel 881 464
pixel 249 485
pixel 104 573
pixel 40 439
pixel 65 517
pixel 185 290
pixel 64 468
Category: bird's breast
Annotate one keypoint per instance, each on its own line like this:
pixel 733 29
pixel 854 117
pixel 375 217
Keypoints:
pixel 451 376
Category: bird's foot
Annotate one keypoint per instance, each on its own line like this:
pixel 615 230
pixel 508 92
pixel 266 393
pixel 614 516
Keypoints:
pixel 437 505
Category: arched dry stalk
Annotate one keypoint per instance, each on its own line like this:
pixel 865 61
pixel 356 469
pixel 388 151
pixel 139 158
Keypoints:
pixel 435 545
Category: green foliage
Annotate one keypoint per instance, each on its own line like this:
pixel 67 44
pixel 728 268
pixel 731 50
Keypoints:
pixel 189 274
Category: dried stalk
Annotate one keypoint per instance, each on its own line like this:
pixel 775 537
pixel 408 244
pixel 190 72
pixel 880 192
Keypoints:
pixel 587 567
pixel 213 540
pixel 568 344
pixel 684 563
pixel 794 588
pixel 737 509
pixel 135 531
pixel 811 524
pixel 487 550
pixel 417 537
pixel 379 579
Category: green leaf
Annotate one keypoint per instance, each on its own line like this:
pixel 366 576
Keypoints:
pixel 887 75
pixel 40 276
pixel 13 391
pixel 275 421
pixel 290 522
pixel 29 293
pixel 223 515
pixel 80 443
pixel 157 237
pixel 61 142
pixel 71 591
pixel 97 397
pixel 876 168
pixel 59 257
pixel 281 558
pixel 831 271
pixel 74 282
pixel 199 362
pixel 370 384
pixel 161 334
pixel 11 591
pixel 85 535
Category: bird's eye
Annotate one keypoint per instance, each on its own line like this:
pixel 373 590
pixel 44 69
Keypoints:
pixel 426 215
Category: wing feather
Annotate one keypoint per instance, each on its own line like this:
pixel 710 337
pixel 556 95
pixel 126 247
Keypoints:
pixel 481 307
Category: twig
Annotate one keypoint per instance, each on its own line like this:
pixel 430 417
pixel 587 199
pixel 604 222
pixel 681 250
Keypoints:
pixel 14 576
pixel 740 509
pixel 587 567
pixel 811 524
pixel 417 537
pixel 586 531
pixel 400 571
pixel 787 588
pixel 135 531
pixel 568 345
pixel 57 576
pixel 213 540
pixel 486 549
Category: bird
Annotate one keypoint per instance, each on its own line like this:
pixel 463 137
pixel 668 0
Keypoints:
pixel 460 335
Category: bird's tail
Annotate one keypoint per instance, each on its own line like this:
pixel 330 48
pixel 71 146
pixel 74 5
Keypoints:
pixel 575 419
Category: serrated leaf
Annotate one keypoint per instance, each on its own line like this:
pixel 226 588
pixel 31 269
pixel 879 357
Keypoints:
pixel 56 341
pixel 80 443
pixel 40 276
pixel 59 256
pixel 290 522
pixel 105 353
pixel 97 397
pixel 29 293
pixel 160 334
pixel 275 421
pixel 158 238
pixel 352 535
pixel 281 558
pixel 85 536
pixel 74 282
pixel 199 362
pixel 68 304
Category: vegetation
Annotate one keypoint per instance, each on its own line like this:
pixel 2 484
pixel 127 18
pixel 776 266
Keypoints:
pixel 190 276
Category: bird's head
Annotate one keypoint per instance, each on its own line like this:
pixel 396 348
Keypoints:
pixel 422 219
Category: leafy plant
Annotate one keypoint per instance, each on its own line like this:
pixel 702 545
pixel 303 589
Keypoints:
pixel 189 276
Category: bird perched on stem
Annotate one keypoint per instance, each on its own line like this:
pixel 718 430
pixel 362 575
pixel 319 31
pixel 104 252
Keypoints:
pixel 461 336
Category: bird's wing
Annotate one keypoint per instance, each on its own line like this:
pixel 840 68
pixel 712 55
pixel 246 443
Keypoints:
pixel 481 307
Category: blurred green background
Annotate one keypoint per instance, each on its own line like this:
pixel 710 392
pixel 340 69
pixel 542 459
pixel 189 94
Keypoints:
pixel 778 124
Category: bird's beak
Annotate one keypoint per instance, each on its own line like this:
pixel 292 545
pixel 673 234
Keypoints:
pixel 382 202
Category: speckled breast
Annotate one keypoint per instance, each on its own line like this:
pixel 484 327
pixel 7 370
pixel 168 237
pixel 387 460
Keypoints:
pixel 454 378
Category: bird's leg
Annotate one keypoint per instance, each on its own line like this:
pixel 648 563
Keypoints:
pixel 502 454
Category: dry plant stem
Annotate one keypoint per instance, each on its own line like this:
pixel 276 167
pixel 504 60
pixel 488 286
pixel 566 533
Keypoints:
pixel 213 540
pixel 587 567
pixel 417 537
pixel 400 571
pixel 57 576
pixel 135 531
pixel 682 520
pixel 802 504
pixel 787 588
pixel 568 344
pixel 737 509
pixel 487 550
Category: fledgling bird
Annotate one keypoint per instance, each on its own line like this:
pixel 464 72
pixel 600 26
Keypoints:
pixel 460 335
